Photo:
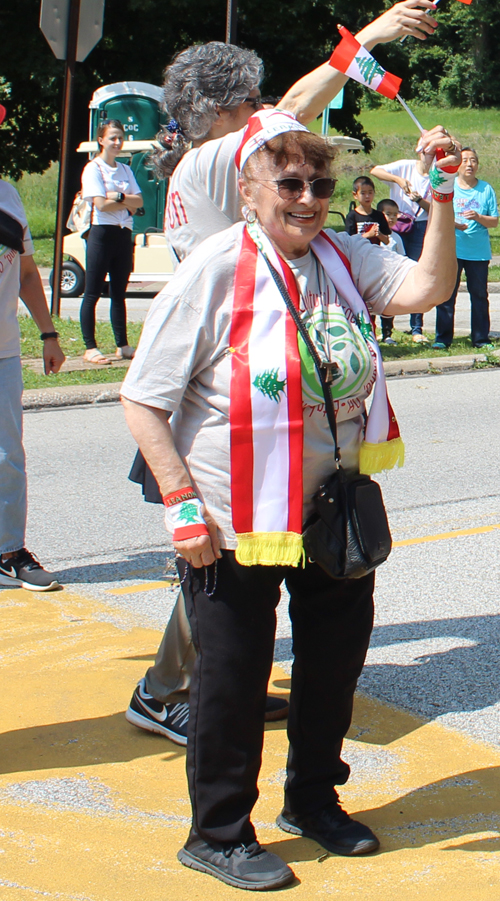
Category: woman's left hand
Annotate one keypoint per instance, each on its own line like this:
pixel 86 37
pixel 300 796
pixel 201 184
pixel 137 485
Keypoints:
pixel 439 138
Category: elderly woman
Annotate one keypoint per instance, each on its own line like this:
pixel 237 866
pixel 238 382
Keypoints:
pixel 221 400
pixel 210 91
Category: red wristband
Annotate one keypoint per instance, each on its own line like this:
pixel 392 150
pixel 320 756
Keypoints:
pixel 442 198
pixel 177 497
pixel 182 533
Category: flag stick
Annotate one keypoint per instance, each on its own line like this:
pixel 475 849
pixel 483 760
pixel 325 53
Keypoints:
pixel 408 110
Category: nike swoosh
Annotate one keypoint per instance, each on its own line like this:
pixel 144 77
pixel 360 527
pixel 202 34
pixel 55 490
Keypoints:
pixel 160 717
pixel 7 572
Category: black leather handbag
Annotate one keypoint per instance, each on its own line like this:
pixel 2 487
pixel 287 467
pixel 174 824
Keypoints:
pixel 348 534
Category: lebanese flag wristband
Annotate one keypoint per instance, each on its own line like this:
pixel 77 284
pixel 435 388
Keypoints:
pixel 442 180
pixel 176 497
pixel 183 517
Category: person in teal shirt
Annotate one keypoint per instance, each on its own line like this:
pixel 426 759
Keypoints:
pixel 475 206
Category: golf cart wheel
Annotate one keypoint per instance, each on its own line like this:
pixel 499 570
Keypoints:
pixel 72 279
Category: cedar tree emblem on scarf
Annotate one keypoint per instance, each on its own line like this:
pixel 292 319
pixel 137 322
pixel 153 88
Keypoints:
pixel 270 385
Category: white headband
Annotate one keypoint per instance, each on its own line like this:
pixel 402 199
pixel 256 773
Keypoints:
pixel 263 126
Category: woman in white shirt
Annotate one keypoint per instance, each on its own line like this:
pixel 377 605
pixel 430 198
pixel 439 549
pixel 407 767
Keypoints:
pixel 111 188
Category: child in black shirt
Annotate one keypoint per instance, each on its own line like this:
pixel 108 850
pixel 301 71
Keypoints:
pixel 363 219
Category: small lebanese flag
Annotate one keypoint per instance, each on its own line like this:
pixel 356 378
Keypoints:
pixel 357 63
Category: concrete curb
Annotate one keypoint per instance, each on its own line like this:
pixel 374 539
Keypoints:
pixel 436 366
pixel 73 395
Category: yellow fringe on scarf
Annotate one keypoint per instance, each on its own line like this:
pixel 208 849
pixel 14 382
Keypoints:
pixel 270 549
pixel 376 457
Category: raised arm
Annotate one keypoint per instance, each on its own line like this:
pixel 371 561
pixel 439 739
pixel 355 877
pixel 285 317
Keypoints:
pixel 432 280
pixel 383 175
pixel 311 94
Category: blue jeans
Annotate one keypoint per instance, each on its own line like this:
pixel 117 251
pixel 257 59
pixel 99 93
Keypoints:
pixel 476 273
pixel 413 242
pixel 12 460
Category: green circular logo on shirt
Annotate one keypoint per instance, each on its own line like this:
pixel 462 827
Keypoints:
pixel 340 342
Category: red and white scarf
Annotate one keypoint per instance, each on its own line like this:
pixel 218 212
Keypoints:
pixel 266 419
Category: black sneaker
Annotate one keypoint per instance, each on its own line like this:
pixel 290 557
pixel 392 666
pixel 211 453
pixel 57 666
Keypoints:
pixel 24 571
pixel 243 866
pixel 167 719
pixel 332 828
pixel 276 708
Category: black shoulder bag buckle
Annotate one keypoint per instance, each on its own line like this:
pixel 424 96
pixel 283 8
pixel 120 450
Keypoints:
pixel 348 534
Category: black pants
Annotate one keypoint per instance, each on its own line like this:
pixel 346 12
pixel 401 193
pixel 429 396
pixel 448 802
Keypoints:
pixel 476 273
pixel 109 250
pixel 233 632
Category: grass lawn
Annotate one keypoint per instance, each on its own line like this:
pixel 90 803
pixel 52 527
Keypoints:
pixel 93 377
pixel 71 337
pixel 72 344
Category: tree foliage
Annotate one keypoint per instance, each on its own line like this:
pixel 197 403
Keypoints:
pixel 459 65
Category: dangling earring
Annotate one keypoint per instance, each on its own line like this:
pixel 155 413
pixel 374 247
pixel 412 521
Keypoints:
pixel 250 216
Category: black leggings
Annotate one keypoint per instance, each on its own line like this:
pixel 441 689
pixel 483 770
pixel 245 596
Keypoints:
pixel 109 249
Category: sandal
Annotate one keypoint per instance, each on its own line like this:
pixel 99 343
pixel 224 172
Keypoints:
pixel 94 355
pixel 125 353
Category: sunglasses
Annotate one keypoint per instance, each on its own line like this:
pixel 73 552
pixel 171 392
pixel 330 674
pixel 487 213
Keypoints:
pixel 256 102
pixel 293 188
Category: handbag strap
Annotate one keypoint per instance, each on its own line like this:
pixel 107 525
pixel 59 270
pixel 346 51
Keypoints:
pixel 323 367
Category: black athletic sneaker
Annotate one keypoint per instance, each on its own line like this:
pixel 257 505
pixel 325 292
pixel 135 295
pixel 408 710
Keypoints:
pixel 167 719
pixel 24 571
pixel 332 828
pixel 243 866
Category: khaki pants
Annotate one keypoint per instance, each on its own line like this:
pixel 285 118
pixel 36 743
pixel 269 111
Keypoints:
pixel 170 677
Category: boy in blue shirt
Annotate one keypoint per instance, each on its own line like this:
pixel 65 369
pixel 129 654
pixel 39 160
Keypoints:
pixel 475 207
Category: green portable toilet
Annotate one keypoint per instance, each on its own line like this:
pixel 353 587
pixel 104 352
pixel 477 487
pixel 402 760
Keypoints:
pixel 138 106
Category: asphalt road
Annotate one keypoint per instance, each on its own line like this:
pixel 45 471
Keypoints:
pixel 435 646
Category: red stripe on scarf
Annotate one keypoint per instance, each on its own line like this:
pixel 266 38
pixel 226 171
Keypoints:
pixel 295 412
pixel 341 253
pixel 393 431
pixel 240 415
pixel 345 52
pixel 389 86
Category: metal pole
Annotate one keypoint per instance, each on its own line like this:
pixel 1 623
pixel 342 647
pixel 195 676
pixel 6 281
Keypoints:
pixel 231 21
pixel 69 74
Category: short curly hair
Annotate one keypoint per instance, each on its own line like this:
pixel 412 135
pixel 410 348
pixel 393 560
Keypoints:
pixel 199 81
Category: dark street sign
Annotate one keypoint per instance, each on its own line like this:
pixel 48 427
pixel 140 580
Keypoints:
pixel 54 23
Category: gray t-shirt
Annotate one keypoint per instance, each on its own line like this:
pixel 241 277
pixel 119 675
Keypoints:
pixel 183 362
pixel 203 196
pixel 10 273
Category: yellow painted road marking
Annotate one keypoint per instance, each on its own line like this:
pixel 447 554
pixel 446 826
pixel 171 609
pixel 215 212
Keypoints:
pixel 441 536
pixel 144 586
pixel 92 807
